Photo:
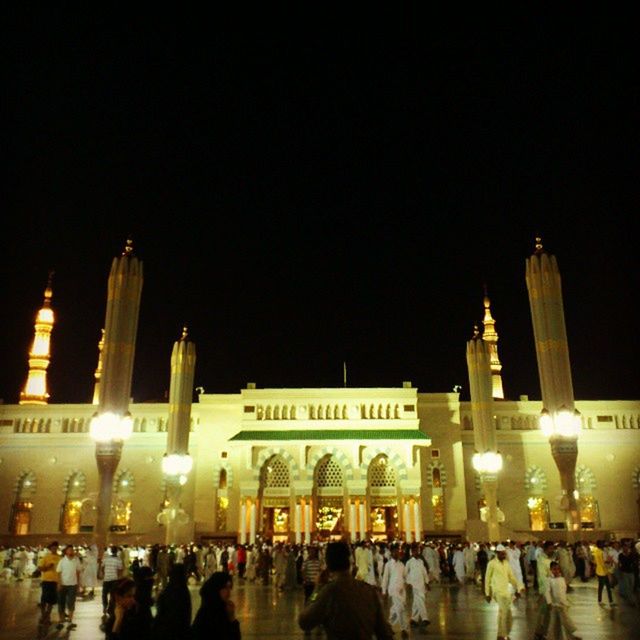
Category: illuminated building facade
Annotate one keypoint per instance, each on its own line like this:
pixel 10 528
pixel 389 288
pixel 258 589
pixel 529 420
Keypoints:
pixel 308 464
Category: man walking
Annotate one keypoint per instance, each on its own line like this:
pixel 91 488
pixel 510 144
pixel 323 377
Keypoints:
pixel 68 570
pixel 394 583
pixel 49 585
pixel 496 586
pixel 345 607
pixel 418 578
pixel 111 573
pixel 543 567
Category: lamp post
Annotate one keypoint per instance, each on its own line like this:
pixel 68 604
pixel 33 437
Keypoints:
pixel 177 463
pixel 112 424
pixel 487 461
pixel 559 420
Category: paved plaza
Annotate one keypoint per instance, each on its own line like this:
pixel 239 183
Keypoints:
pixel 457 613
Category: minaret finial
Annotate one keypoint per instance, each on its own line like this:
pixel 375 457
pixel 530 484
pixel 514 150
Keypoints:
pixel 128 248
pixel 476 332
pixel 539 247
pixel 185 334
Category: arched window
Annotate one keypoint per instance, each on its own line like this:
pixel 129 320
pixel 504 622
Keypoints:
pixel 381 473
pixel 586 487
pixel 22 504
pixel 123 490
pixel 329 473
pixel 72 507
pixel 275 473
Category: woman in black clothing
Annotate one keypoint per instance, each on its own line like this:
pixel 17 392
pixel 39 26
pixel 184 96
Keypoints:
pixel 173 608
pixel 127 619
pixel 216 617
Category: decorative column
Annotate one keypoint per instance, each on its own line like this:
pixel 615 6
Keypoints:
pixel 243 523
pixel 112 423
pixel 177 463
pixel 36 389
pixel 363 521
pixel 352 521
pixel 252 522
pixel 298 523
pixel 307 523
pixel 417 516
pixel 407 521
pixel 559 420
pixel 486 459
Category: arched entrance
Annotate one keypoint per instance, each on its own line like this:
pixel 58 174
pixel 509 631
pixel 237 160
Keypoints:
pixel 328 494
pixel 275 499
pixel 382 488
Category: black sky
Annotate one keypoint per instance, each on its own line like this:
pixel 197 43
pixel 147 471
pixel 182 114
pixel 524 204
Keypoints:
pixel 298 205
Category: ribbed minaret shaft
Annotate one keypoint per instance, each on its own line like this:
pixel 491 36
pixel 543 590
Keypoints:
pixel 480 385
pixel 487 461
pixel 490 336
pixel 556 387
pixel 124 290
pixel 550 334
pixel 35 389
pixel 183 364
pixel 98 374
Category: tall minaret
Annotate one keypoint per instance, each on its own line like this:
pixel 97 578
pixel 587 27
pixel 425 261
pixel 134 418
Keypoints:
pixel 98 374
pixel 35 390
pixel 490 336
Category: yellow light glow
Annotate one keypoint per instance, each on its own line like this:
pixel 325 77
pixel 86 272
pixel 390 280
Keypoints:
pixel 109 426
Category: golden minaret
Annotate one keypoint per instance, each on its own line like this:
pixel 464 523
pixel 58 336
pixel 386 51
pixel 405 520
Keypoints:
pixel 35 390
pixel 98 374
pixel 490 336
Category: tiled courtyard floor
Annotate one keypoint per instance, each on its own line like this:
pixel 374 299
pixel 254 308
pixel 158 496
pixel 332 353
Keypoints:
pixel 456 613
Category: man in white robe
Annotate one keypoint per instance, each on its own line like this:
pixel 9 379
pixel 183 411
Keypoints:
pixel 394 584
pixel 458 564
pixel 418 578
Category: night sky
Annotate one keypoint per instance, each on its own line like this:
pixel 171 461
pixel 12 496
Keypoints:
pixel 301 204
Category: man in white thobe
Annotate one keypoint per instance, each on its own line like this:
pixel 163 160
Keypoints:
pixel 513 557
pixel 496 586
pixel 433 562
pixel 418 578
pixel 394 584
pixel 458 564
pixel 469 554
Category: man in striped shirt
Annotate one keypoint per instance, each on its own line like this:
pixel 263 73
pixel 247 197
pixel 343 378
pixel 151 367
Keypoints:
pixel 310 572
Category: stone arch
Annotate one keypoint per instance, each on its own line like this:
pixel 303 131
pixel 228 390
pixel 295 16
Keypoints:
pixel 124 483
pixel 585 480
pixel 75 484
pixel 26 484
pixel 217 469
pixel 438 467
pixel 328 473
pixel 339 455
pixel 371 452
pixel 535 480
pixel 269 452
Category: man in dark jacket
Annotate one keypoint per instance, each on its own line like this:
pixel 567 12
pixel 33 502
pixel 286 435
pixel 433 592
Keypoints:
pixel 348 609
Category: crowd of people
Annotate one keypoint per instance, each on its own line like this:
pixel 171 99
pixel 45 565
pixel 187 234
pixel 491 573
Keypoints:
pixel 145 589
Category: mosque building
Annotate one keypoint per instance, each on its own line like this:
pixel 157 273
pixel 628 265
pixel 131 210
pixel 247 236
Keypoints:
pixel 302 465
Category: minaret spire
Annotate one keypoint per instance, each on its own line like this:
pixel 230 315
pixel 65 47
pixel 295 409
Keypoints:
pixel 490 336
pixel 35 390
pixel 98 374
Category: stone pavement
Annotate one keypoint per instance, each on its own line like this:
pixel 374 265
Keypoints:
pixel 457 613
